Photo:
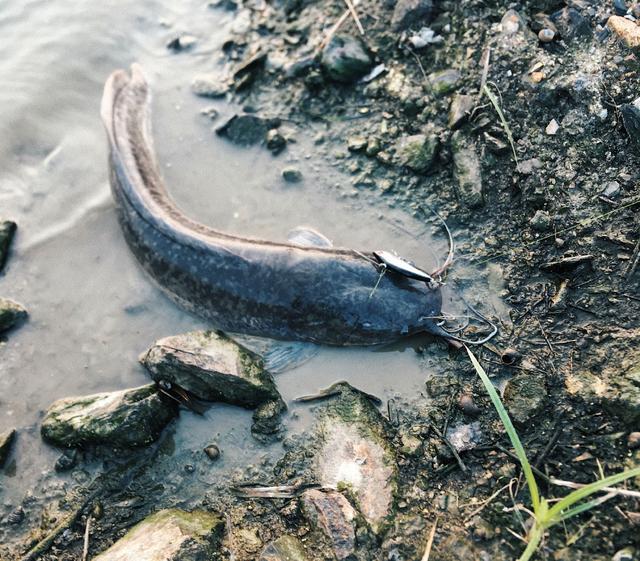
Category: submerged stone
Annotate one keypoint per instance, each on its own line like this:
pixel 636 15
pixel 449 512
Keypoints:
pixel 6 442
pixel 285 548
pixel 332 513
pixel 7 231
pixel 246 130
pixel 345 59
pixel 354 453
pixel 467 171
pixel 11 314
pixel 418 152
pixel 169 535
pixel 212 367
pixel 127 418
pixel 209 85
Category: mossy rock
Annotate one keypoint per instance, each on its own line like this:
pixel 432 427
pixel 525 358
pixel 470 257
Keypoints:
pixel 169 535
pixel 285 548
pixel 418 152
pixel 345 59
pixel 127 418
pixel 212 367
pixel 355 454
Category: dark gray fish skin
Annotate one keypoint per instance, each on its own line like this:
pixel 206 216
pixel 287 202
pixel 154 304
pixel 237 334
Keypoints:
pixel 256 287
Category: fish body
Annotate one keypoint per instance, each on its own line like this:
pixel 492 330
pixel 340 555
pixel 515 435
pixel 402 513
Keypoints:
pixel 256 287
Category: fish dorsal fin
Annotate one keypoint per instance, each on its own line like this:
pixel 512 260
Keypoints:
pixel 308 237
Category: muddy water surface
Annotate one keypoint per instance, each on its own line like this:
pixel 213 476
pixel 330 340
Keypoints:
pixel 92 310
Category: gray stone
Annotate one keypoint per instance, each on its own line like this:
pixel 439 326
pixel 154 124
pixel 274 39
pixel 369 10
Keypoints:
pixel 571 24
pixel 345 59
pixel 418 152
pixel 467 171
pixel 126 418
pixel 612 189
pixel 354 452
pixel 631 120
pixel 444 81
pixel 212 367
pixel 169 535
pixel 6 442
pixel 541 221
pixel 411 13
pixel 285 548
pixel 460 109
pixel 465 437
pixel 209 85
pixel 356 143
pixel 11 314
pixel 246 130
pixel 524 396
pixel 7 231
pixel 332 513
pixel 292 175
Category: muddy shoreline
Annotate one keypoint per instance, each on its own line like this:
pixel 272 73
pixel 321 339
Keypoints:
pixel 542 198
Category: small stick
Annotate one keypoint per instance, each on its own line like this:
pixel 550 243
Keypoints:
pixel 352 9
pixel 87 530
pixel 432 534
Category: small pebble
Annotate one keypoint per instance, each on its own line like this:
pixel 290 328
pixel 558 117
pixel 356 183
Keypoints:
pixel 611 190
pixel 620 7
pixel 633 440
pixel 546 35
pixel 210 112
pixel 626 554
pixel 182 43
pixel 213 452
pixel 541 221
pixel 292 175
pixel 189 468
pixel 552 127
pixel 276 143
pixel 467 405
pixel 67 461
pixel 16 517
pixel 510 356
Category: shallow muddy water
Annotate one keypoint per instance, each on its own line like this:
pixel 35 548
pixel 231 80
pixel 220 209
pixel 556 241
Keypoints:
pixel 92 310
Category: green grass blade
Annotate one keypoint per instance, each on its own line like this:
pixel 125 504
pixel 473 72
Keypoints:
pixel 584 492
pixel 496 105
pixel 511 432
pixel 583 507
